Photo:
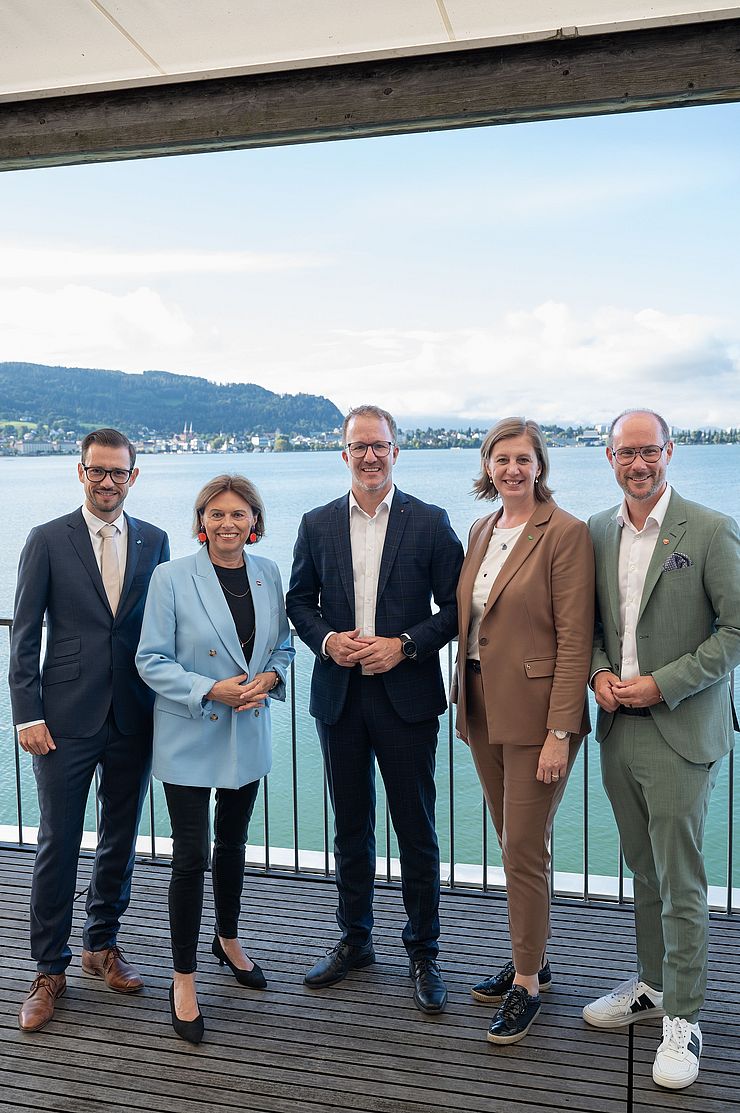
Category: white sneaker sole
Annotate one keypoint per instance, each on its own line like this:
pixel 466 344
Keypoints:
pixel 598 1021
pixel 674 1083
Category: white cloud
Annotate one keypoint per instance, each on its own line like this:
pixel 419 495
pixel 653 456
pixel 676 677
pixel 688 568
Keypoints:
pixel 77 325
pixel 548 361
pixel 19 264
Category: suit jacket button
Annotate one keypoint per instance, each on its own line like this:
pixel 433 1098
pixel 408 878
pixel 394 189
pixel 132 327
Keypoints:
pixel 256 714
pixel 211 652
pixel 214 718
pixel 483 641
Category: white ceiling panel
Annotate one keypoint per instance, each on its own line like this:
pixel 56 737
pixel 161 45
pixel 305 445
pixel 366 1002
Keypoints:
pixel 51 43
pixel 62 46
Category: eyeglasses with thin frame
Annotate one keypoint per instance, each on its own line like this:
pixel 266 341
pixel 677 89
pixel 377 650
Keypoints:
pixel 650 453
pixel 97 475
pixel 358 449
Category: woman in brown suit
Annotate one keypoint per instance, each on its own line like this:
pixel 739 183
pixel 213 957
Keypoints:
pixel 526 612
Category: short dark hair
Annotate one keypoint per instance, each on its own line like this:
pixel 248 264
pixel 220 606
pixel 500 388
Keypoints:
pixel 665 431
pixel 241 486
pixel 484 487
pixel 109 438
pixel 369 411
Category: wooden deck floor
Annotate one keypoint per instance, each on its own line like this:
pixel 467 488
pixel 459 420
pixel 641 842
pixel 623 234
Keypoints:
pixel 359 1046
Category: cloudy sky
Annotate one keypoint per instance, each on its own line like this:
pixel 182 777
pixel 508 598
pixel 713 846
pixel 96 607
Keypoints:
pixel 565 270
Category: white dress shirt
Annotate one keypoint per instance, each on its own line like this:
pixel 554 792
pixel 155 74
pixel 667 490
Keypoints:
pixel 636 548
pixel 498 551
pixel 94 525
pixel 366 538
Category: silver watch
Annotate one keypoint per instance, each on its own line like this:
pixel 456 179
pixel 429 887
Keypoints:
pixel 561 735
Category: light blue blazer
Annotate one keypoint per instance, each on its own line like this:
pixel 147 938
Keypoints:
pixel 188 640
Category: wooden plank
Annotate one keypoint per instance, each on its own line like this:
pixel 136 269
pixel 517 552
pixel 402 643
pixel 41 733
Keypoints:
pixel 627 71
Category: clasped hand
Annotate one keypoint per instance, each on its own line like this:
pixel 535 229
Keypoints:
pixel 612 693
pixel 375 654
pixel 242 697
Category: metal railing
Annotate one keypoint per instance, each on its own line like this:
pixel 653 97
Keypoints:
pixel 267 855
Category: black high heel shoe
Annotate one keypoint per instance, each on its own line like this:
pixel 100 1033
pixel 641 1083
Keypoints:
pixel 252 979
pixel 190 1030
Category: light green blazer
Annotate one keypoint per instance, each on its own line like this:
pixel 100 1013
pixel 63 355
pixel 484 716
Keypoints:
pixel 688 630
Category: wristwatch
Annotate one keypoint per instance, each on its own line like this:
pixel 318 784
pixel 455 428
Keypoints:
pixel 561 735
pixel 408 645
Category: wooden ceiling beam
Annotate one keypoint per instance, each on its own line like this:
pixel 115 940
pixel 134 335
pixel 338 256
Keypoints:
pixel 695 64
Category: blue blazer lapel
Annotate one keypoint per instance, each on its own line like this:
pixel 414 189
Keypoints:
pixel 398 518
pixel 80 537
pixel 215 606
pixel 343 548
pixel 260 589
pixel 133 552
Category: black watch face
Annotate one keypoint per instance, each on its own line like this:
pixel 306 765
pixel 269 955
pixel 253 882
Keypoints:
pixel 409 648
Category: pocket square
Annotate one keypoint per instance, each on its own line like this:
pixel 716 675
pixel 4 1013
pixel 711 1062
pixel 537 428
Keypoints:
pixel 676 561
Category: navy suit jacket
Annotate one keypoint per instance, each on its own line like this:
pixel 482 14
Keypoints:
pixel 89 659
pixel 421 560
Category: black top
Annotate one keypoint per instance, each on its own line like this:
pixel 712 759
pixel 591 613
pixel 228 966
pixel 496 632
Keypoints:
pixel 237 593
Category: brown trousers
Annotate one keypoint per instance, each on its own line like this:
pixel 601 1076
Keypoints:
pixel 522 809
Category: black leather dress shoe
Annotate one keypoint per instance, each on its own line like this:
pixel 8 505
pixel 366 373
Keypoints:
pixel 337 963
pixel 430 991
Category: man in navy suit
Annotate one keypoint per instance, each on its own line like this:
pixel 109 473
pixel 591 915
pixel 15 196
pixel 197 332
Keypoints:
pixel 365 570
pixel 88 572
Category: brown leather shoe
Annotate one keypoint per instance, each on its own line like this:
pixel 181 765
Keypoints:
pixel 38 1008
pixel 110 965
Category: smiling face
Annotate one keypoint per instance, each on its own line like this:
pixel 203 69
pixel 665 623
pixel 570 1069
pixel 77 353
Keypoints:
pixel 641 481
pixel 372 476
pixel 105 497
pixel 227 520
pixel 513 467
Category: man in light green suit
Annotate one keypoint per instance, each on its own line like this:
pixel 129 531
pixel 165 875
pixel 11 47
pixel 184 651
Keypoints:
pixel 667 639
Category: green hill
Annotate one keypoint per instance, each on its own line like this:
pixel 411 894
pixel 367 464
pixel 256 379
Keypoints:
pixel 77 397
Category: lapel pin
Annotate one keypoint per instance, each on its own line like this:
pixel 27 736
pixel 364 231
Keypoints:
pixel 666 541
pixel 529 537
pixel 258 583
pixel 138 541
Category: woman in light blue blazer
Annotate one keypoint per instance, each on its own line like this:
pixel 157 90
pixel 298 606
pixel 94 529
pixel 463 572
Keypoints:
pixel 215 648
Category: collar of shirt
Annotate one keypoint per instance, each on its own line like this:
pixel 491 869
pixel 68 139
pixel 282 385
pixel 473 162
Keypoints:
pixel 354 504
pixel 95 524
pixel 656 515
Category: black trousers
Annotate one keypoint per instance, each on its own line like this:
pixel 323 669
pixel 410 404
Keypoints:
pixel 63 778
pixel 189 815
pixel 370 728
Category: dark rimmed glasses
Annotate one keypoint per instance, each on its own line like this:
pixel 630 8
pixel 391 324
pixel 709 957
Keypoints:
pixel 97 475
pixel 651 453
pixel 358 449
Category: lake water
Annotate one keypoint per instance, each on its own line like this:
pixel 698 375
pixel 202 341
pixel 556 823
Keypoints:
pixel 35 489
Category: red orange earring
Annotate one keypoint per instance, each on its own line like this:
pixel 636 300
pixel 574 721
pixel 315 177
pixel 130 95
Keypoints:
pixel 202 535
pixel 252 538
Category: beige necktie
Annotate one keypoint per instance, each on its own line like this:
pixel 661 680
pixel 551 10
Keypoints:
pixel 109 566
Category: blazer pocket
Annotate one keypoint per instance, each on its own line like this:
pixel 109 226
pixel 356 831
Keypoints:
pixel 66 647
pixel 540 666
pixel 57 674
pixel 172 707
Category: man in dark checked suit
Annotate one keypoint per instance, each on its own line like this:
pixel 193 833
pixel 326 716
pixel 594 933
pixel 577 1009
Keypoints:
pixel 88 572
pixel 365 570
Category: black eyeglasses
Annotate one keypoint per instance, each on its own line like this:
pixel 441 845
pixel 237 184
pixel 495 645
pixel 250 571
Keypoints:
pixel 358 449
pixel 650 453
pixel 97 475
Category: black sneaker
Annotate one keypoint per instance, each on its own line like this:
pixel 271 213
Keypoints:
pixel 515 1016
pixel 495 988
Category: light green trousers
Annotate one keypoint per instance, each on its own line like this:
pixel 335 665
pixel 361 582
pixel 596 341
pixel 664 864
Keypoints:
pixel 660 803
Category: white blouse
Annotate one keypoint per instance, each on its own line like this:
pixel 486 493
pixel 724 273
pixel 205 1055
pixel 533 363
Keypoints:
pixel 499 547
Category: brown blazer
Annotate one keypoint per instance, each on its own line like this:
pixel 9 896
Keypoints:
pixel 537 630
